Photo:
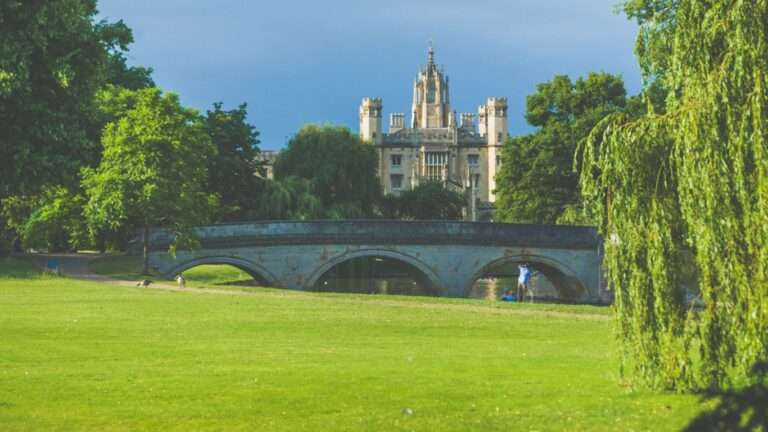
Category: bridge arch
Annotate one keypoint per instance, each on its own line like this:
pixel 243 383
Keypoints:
pixel 414 262
pixel 568 283
pixel 255 270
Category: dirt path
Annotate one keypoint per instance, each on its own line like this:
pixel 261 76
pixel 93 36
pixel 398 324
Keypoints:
pixel 77 266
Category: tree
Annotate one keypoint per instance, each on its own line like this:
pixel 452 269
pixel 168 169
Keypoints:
pixel 536 182
pixel 56 224
pixel 427 201
pixel 691 180
pixel 54 57
pixel 232 173
pixel 153 171
pixel 288 198
pixel 341 168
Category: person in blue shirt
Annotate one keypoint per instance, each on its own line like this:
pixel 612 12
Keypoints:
pixel 523 280
pixel 508 297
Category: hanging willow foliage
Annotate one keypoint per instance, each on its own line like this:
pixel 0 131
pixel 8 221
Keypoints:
pixel 691 183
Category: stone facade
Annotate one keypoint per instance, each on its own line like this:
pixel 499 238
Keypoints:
pixel 464 155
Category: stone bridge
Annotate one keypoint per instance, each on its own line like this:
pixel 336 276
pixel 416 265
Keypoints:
pixel 450 255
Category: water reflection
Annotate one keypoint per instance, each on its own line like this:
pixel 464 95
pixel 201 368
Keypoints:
pixel 492 288
pixel 376 275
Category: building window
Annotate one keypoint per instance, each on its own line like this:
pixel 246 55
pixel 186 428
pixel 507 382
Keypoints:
pixel 435 164
pixel 501 137
pixel 476 181
pixel 498 160
pixel 397 160
pixel 473 159
pixel 396 180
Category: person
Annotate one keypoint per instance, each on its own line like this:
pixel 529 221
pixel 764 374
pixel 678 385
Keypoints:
pixel 508 297
pixel 522 280
pixel 181 281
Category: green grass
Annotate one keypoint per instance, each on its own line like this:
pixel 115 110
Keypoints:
pixel 226 277
pixel 85 356
pixel 129 268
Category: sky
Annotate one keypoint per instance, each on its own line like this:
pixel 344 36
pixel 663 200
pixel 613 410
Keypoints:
pixel 296 62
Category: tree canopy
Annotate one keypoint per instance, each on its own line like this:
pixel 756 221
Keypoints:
pixel 430 200
pixel 232 173
pixel 153 171
pixel 341 168
pixel 536 182
pixel 690 181
pixel 53 58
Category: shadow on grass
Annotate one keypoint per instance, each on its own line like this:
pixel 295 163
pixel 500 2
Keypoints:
pixel 744 409
pixel 12 267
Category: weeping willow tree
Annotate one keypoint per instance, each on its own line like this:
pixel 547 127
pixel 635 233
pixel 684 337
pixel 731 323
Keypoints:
pixel 691 182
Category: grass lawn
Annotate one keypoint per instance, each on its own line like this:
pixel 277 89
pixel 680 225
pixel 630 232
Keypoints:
pixel 81 355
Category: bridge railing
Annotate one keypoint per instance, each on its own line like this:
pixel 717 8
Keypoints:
pixel 387 232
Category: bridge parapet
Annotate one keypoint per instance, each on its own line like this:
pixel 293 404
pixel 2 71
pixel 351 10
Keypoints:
pixel 388 232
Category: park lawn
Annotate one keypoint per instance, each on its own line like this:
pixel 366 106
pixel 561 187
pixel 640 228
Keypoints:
pixel 82 355
pixel 227 277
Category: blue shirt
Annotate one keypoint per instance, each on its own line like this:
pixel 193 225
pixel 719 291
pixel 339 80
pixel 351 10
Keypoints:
pixel 525 274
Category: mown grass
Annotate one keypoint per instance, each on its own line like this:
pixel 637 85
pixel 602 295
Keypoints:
pixel 86 356
pixel 226 277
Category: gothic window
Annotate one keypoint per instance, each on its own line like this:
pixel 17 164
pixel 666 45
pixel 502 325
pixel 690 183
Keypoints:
pixel 396 160
pixel 435 164
pixel 396 180
pixel 473 159
pixel 476 181
pixel 501 137
pixel 498 160
pixel 431 89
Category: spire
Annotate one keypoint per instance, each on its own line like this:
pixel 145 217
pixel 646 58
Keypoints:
pixel 431 53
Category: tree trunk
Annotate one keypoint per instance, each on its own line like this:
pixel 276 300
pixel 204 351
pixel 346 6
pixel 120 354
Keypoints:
pixel 146 250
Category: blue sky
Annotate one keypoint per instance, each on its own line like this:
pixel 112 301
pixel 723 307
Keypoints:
pixel 296 62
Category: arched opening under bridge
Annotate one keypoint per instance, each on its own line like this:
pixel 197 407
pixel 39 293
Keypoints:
pixel 376 273
pixel 213 271
pixel 551 281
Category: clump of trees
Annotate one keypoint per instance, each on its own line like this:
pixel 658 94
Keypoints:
pixel 689 178
pixel 536 182
pixel 332 165
pixel 430 200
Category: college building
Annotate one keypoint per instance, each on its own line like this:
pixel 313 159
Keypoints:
pixel 464 153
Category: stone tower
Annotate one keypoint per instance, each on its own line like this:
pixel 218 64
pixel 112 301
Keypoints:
pixel 493 118
pixel 370 120
pixel 431 101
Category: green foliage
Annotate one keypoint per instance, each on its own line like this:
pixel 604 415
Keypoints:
pixel 695 177
pixel 153 170
pixel 288 198
pixel 232 172
pixel 56 224
pixel 341 168
pixel 427 201
pixel 536 182
pixel 53 58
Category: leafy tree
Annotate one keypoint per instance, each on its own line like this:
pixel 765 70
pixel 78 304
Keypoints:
pixel 288 198
pixel 54 57
pixel 56 224
pixel 694 178
pixel 232 173
pixel 341 168
pixel 427 201
pixel 536 182
pixel 153 170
